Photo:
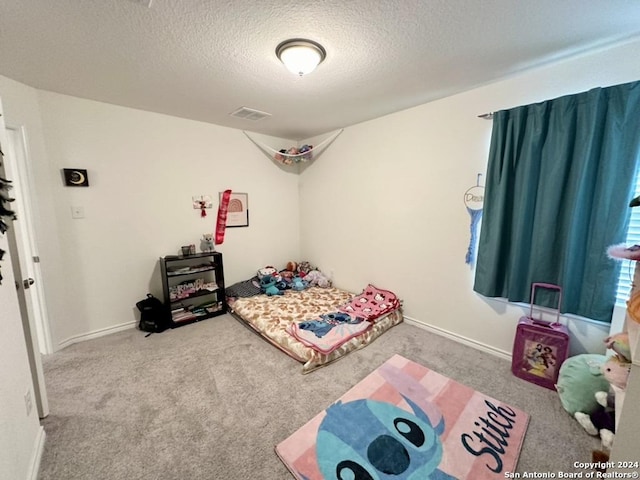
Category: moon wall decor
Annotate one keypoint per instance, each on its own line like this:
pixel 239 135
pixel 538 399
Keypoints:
pixel 75 177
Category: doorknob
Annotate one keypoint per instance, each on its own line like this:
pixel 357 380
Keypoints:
pixel 28 282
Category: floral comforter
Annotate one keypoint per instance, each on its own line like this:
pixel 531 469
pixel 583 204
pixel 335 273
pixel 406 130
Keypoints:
pixel 270 316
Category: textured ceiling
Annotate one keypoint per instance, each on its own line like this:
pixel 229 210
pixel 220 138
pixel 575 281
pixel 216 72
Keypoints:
pixel 203 59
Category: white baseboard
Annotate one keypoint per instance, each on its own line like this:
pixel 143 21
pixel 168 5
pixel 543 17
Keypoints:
pixel 95 334
pixel 36 456
pixel 459 338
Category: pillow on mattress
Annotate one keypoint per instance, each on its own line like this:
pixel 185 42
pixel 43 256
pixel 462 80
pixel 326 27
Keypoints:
pixel 244 289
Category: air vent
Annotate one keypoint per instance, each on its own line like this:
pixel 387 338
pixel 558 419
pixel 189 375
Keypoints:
pixel 146 3
pixel 249 114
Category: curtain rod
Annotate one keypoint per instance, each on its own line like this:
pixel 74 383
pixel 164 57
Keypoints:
pixel 486 116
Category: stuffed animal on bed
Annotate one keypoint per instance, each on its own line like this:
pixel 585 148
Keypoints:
pixel 268 286
pixel 290 270
pixel 304 267
pixel 287 275
pixel 291 267
pixel 298 284
pixel 317 278
pixel 268 270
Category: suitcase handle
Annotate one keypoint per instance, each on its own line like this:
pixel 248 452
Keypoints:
pixel 550 286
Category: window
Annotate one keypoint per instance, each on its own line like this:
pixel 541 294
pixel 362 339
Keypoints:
pixel 633 238
pixel 559 179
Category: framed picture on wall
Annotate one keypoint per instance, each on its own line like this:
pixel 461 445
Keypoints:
pixel 75 177
pixel 238 213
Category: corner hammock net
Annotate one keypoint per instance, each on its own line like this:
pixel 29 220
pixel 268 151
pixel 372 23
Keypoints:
pixel 295 155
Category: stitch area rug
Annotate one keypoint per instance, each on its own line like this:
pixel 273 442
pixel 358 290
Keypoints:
pixel 406 422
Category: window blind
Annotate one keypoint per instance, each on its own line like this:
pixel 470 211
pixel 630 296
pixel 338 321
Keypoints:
pixel 633 238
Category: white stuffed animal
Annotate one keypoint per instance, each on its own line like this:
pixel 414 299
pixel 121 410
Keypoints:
pixel 317 278
pixel 206 244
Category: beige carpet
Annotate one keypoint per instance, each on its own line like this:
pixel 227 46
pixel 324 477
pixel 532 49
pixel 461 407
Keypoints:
pixel 211 400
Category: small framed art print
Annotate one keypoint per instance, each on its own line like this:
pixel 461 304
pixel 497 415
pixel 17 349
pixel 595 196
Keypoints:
pixel 238 211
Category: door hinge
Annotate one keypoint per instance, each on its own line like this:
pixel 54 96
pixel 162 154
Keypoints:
pixel 36 259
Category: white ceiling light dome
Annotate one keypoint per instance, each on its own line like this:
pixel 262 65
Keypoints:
pixel 300 56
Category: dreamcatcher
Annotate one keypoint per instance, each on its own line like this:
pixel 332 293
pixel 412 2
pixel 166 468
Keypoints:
pixel 473 200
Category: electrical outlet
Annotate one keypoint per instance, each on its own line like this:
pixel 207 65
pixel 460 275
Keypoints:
pixel 28 402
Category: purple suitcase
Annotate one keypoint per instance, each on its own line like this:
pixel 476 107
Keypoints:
pixel 540 347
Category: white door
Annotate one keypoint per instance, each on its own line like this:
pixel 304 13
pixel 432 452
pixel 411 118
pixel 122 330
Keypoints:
pixel 18 166
pixel 21 241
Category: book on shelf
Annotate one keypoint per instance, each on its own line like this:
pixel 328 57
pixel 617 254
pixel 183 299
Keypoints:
pixel 186 269
pixel 182 316
pixel 191 288
pixel 177 270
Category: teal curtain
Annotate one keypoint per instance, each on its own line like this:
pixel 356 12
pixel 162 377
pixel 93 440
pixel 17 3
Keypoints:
pixel 559 180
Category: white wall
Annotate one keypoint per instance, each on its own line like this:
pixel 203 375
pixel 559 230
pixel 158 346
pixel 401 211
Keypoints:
pixel 384 204
pixel 143 170
pixel 21 436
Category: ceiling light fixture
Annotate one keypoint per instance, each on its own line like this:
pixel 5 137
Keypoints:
pixel 300 56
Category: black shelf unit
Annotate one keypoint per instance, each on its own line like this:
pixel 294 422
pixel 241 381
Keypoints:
pixel 193 287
